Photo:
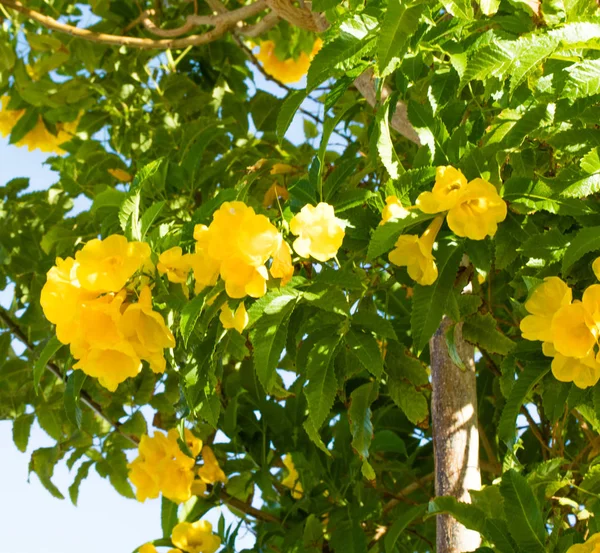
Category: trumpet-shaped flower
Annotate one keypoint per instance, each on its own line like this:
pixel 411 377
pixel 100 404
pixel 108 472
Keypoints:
pixel 320 233
pixel 583 372
pixel 289 70
pixel 573 331
pixel 544 302
pixel 237 320
pixel 448 187
pixel 195 537
pixel 106 265
pixel 415 253
pixel 210 472
pixel 175 265
pixel 393 210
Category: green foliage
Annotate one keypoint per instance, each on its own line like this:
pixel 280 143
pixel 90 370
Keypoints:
pixel 333 367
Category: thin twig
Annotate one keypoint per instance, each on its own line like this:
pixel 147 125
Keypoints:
pixel 534 428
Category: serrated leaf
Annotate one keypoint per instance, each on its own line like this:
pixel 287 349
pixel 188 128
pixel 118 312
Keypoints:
pixel 42 462
pixel 82 474
pixel 523 511
pixel 385 147
pixel 268 337
pixel 376 324
pixel 21 431
pixel 312 539
pixel 468 515
pixel 367 350
pixel 462 9
pixel 24 125
pixel 322 383
pixel 521 389
pixel 583 80
pixel 348 537
pixel 481 330
pixel 129 216
pixel 385 236
pixel 149 217
pixel 287 112
pixel 400 524
pixel 412 402
pixel 51 347
pixel 429 302
pixel 359 414
pixel 189 315
pixel 586 240
pixel 489 7
pixel 71 397
pixel 314 436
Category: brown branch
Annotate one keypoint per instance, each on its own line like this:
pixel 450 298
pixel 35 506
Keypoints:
pixel 248 509
pixel 222 22
pixel 534 429
pixel 85 398
pixel 299 17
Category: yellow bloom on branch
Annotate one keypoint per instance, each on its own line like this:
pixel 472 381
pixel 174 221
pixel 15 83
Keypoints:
pixel 393 210
pixel 320 233
pixel 106 265
pixel 210 472
pixel 195 537
pixel 238 320
pixel 175 264
pixel 416 254
pixel 292 480
pixel 282 266
pixel 592 545
pixel 289 70
pixel 573 331
pixel 148 548
pixel 448 187
pixel 544 302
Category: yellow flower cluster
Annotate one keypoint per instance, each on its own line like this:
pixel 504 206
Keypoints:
pixel 292 480
pixel 39 137
pixel 568 329
pixel 473 210
pixel 87 299
pixel 592 545
pixel 289 70
pixel 236 246
pixel 162 467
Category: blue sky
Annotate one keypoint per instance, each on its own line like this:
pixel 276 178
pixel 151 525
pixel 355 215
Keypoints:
pixel 32 520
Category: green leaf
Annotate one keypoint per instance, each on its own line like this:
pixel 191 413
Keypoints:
pixel 583 79
pixel 339 53
pixel 459 8
pixel 287 111
pixel 359 413
pixel 400 365
pixel 400 524
pixel 385 147
pixel 189 316
pixel 314 436
pixel 129 216
pixel 521 389
pixel 366 348
pixel 268 337
pixel 468 515
pixel 429 302
pixel 71 398
pixel 376 324
pixel 399 24
pixel 481 330
pixel 532 51
pixel 523 511
pixel 51 347
pixel 82 474
pixel 412 402
pixel 312 538
pixel 489 7
pixel 384 237
pixel 586 240
pixel 149 217
pixel 21 431
pixel 168 516
pixel 25 124
pixel 42 462
pixel 322 384
pixel 347 536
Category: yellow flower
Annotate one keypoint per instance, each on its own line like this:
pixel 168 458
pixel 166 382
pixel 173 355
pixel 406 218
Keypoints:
pixel 289 70
pixel 592 545
pixel 282 263
pixel 175 265
pixel 416 254
pixel 111 365
pixel 478 211
pixel 210 472
pixel 106 265
pixel 237 320
pixel 292 480
pixel 62 296
pixel 544 302
pixel 596 269
pixel 573 331
pixel 195 537
pixel 582 372
pixel 120 175
pixel 281 169
pixel 393 210
pixel 8 117
pixel 275 191
pixel 449 184
pixel 162 467
pixel 320 233
pixel 148 548
pixel 146 331
pixel 198 487
pixel 206 269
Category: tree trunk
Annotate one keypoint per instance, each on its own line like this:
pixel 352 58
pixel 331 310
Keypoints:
pixel 455 435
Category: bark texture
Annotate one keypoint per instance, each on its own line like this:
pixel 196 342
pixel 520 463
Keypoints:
pixel 455 435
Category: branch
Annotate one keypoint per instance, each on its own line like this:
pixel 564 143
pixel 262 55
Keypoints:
pixel 85 398
pixel 222 22
pixel 248 509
